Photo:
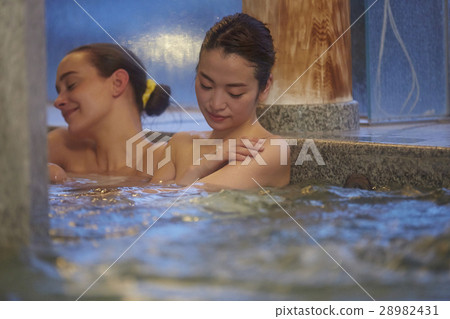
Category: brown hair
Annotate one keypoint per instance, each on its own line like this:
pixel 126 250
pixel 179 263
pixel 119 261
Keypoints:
pixel 247 37
pixel 108 58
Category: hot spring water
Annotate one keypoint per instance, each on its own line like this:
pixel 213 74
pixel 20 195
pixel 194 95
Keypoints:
pixel 238 245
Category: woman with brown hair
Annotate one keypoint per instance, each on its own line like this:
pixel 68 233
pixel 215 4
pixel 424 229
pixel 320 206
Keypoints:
pixel 102 92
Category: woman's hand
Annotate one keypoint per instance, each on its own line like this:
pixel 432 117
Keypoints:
pixel 232 151
pixel 56 174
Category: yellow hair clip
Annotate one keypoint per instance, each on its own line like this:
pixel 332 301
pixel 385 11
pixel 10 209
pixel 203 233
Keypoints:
pixel 148 91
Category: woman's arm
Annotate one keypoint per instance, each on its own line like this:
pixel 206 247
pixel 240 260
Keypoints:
pixel 270 171
pixel 268 168
pixel 230 156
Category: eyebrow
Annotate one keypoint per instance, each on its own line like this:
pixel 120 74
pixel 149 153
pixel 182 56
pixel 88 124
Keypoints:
pixel 229 85
pixel 64 75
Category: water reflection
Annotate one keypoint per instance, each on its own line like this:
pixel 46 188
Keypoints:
pixel 239 245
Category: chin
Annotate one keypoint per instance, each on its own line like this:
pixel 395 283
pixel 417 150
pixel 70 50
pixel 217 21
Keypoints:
pixel 217 126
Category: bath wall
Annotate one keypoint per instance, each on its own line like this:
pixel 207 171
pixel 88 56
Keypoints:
pixel 386 166
pixel 401 59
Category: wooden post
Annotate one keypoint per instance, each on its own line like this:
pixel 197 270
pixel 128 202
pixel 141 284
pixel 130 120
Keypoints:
pixel 312 88
pixel 23 155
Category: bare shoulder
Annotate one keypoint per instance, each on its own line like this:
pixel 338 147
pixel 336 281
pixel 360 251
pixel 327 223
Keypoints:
pixel 276 147
pixel 57 146
pixel 58 135
pixel 181 136
pixel 63 149
pixel 276 140
pixel 61 137
pixel 188 136
pixel 273 168
pixel 180 145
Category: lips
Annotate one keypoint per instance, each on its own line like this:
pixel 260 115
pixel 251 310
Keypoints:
pixel 216 118
pixel 67 113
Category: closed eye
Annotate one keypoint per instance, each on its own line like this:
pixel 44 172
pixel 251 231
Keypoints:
pixel 205 87
pixel 236 96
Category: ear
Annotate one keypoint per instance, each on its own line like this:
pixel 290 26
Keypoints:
pixel 265 92
pixel 120 79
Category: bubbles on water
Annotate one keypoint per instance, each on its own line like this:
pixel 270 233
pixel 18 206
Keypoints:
pixel 245 240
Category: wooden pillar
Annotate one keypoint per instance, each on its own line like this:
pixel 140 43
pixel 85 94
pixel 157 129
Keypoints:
pixel 313 64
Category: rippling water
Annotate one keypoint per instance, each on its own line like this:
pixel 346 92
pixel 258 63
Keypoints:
pixel 299 243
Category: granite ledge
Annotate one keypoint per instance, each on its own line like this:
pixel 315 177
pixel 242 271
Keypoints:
pixel 385 165
pixel 309 117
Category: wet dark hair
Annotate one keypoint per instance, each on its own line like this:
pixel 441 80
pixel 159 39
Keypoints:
pixel 247 37
pixel 108 57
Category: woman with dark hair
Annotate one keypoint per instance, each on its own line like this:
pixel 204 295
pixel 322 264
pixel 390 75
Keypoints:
pixel 233 76
pixel 102 93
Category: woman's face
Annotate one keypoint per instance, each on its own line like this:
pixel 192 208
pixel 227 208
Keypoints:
pixel 227 90
pixel 84 97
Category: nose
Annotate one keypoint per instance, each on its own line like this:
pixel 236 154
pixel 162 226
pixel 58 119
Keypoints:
pixel 60 101
pixel 218 101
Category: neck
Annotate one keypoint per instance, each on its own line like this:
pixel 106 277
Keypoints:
pixel 110 137
pixel 111 150
pixel 250 128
